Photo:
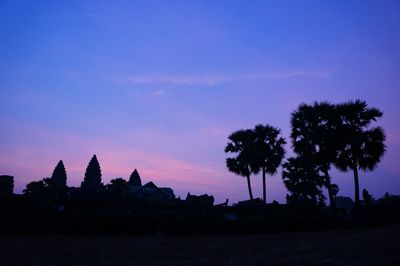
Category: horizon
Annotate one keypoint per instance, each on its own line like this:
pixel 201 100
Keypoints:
pixel 158 87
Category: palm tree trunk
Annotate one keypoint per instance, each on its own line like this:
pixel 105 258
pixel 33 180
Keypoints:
pixel 332 204
pixel 356 187
pixel 249 187
pixel 264 186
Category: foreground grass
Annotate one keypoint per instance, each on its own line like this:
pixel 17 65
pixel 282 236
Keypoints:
pixel 367 246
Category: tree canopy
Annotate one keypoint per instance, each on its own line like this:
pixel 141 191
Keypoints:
pixel 268 151
pixel 301 177
pixel 315 137
pixel 362 145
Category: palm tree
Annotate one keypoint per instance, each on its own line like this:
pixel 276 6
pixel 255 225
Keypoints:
pixel 241 143
pixel 362 146
pixel 269 151
pixel 314 135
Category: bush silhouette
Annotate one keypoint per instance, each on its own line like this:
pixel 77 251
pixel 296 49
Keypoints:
pixel 302 178
pixel 39 189
pixel 117 187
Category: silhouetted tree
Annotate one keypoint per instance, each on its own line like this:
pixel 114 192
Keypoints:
pixel 269 151
pixel 241 143
pixel 59 180
pixel 38 189
pixel 91 184
pixel 362 146
pixel 314 135
pixel 35 188
pixel 134 179
pixel 116 187
pixel 301 177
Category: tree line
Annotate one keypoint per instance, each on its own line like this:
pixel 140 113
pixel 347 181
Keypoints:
pixel 323 135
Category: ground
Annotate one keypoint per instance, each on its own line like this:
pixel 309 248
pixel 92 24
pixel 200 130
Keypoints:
pixel 366 246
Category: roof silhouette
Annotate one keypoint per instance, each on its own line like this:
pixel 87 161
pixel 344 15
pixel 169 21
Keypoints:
pixel 150 185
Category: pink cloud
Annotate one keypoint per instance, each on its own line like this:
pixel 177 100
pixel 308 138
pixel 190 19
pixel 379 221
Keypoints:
pixel 116 160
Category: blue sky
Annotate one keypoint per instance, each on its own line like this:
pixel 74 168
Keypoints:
pixel 159 85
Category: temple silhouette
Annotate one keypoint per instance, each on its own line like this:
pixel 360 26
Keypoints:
pixel 324 135
pixel 131 207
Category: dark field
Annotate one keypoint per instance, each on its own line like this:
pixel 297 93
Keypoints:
pixel 367 246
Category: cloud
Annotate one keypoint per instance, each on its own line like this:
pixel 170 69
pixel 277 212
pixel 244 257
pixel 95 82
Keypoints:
pixel 215 79
pixel 179 80
pixel 117 159
pixel 157 93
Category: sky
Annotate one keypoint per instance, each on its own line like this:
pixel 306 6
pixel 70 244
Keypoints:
pixel 160 85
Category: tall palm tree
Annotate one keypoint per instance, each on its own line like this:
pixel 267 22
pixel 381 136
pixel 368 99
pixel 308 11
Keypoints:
pixel 362 146
pixel 241 143
pixel 314 136
pixel 269 151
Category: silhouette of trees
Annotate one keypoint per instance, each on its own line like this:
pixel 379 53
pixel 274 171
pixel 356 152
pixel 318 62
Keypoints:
pixel 38 189
pixel 241 143
pixel 116 187
pixel 59 180
pixel 314 136
pixel 260 149
pixel 49 187
pixel 362 146
pixel 269 151
pixel 91 184
pixel 338 135
pixel 302 178
pixel 323 135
